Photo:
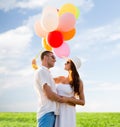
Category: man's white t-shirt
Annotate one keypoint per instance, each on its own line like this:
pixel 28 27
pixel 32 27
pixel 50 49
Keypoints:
pixel 43 76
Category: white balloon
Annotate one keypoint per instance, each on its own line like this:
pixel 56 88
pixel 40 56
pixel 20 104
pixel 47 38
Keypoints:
pixel 49 19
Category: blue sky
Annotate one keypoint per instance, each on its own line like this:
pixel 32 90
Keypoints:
pixel 96 43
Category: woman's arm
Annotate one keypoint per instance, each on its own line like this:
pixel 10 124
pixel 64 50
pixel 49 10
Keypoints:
pixel 81 96
pixel 80 100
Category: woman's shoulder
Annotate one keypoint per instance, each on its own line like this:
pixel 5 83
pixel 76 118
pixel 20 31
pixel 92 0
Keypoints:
pixel 59 79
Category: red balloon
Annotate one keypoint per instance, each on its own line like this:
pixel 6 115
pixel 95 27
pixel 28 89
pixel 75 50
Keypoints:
pixel 55 39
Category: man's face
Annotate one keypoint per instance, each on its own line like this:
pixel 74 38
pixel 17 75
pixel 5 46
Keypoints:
pixel 51 60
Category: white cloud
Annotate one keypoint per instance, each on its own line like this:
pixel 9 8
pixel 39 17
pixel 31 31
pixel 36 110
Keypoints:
pixel 20 106
pixel 116 50
pixel 13 45
pixel 83 4
pixel 110 52
pixel 30 4
pixel 86 5
pixel 107 34
pixel 115 36
pixel 16 78
pixel 15 69
pixel 23 4
pixel 34 4
pixel 10 4
pixel 99 97
pixel 99 106
pixel 16 40
pixel 104 86
pixel 2 69
pixel 31 21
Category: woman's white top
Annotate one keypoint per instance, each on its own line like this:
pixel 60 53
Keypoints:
pixel 67 113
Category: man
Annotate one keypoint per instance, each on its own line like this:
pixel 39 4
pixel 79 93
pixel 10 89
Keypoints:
pixel 45 87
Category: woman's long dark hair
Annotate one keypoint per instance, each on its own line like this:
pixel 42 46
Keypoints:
pixel 75 82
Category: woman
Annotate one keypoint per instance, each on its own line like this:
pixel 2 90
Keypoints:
pixel 70 86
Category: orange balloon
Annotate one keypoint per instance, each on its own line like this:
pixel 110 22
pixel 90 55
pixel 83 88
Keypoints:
pixel 69 35
pixel 46 45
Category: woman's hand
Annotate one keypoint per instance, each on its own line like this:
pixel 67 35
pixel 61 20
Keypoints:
pixel 66 100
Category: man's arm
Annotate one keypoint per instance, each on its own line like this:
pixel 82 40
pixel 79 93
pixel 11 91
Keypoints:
pixel 52 95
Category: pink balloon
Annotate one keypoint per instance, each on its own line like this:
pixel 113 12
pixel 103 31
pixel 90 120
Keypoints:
pixel 66 22
pixel 62 51
pixel 39 30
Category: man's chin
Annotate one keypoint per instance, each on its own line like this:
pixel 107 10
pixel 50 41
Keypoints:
pixel 52 65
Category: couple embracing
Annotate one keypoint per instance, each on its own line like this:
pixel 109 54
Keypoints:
pixel 58 96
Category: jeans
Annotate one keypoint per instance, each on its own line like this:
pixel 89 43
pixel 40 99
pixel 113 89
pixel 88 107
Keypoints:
pixel 48 120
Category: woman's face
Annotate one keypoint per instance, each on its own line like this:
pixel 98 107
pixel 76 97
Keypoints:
pixel 68 65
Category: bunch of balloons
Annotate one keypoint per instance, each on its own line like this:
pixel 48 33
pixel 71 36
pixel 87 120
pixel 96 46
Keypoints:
pixel 57 26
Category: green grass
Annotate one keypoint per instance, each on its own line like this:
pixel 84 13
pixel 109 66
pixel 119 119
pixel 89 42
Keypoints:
pixel 17 119
pixel 83 119
pixel 98 119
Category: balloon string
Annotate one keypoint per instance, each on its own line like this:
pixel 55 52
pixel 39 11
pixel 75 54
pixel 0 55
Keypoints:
pixel 39 53
pixel 34 64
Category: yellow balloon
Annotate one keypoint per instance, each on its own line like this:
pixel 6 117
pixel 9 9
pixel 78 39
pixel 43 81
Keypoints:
pixel 34 66
pixel 46 45
pixel 78 13
pixel 68 8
